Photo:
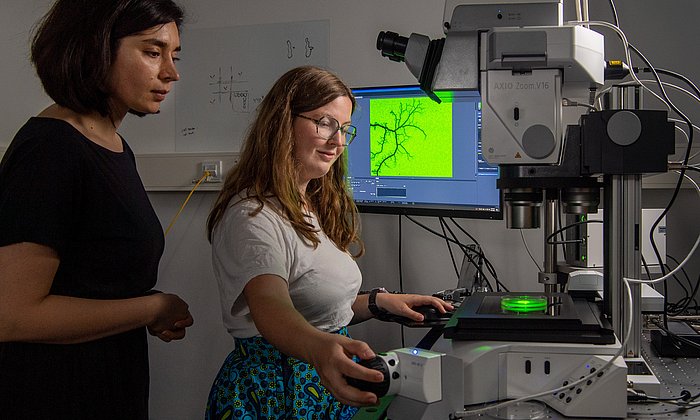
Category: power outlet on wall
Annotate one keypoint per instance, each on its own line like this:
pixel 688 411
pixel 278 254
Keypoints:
pixel 214 169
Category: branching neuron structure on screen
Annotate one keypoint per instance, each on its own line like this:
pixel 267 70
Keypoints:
pixel 391 143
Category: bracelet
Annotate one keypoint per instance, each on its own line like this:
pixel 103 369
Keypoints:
pixel 366 292
pixel 372 302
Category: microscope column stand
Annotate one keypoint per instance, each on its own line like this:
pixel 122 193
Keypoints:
pixel 549 276
pixel 622 214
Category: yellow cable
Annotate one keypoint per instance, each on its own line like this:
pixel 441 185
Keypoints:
pixel 172 222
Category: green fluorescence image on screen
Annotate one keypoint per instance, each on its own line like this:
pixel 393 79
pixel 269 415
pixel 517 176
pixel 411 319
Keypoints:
pixel 410 137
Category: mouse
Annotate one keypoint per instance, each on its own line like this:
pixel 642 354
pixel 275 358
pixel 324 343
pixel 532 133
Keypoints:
pixel 431 313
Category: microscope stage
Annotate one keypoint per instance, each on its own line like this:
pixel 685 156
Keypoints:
pixel 517 316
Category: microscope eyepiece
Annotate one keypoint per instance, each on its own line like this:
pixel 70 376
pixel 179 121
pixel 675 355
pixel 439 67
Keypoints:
pixel 392 45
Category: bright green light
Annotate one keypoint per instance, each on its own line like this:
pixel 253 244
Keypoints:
pixel 523 304
pixel 445 96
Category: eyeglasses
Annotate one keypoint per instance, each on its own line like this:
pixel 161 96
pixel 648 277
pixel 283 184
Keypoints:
pixel 327 127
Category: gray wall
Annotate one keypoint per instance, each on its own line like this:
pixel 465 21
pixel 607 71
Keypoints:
pixel 182 372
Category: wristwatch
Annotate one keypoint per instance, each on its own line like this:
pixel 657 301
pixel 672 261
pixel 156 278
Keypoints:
pixel 372 302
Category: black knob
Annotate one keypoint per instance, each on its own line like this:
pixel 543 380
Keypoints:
pixel 378 388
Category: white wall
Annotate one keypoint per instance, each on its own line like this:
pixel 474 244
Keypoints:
pixel 182 372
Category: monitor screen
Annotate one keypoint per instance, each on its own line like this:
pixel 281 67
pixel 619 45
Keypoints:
pixel 415 156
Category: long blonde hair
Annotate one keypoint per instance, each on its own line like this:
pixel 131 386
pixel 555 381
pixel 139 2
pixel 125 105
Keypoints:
pixel 267 168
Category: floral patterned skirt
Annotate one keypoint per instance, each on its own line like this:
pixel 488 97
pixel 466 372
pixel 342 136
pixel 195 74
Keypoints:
pixel 258 382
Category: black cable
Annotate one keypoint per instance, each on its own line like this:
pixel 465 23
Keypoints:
pixel 489 266
pixel 569 226
pixel 686 396
pixel 688 150
pixel 689 297
pixel 482 255
pixel 666 303
pixel 464 249
pixel 686 158
pixel 696 90
pixel 449 248
pixel 671 308
pixel 528 250
pixel 400 257
pixel 480 251
pixel 682 400
pixel 656 72
pixel 646 267
pixel 403 338
pixel 465 232
pixel 685 273
pixel 677 337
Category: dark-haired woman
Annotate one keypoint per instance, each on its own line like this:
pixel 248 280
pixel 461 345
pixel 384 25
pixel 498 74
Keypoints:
pixel 80 243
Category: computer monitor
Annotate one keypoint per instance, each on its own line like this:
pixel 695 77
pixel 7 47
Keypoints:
pixel 415 156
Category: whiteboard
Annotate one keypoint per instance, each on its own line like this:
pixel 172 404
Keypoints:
pixel 225 73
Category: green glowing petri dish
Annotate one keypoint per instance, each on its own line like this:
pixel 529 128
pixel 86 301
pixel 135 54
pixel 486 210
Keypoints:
pixel 523 304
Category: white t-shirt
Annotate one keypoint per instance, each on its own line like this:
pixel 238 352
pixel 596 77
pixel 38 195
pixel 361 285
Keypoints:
pixel 323 282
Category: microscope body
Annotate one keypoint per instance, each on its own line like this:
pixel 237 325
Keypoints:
pixel 539 81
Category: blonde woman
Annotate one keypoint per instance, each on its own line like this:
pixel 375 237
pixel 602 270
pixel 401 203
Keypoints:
pixel 284 234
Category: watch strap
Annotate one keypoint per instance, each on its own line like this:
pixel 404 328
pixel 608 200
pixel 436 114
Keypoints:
pixel 372 302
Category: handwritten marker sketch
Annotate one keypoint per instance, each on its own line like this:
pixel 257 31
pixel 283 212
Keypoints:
pixel 187 131
pixel 308 48
pixel 224 90
pixel 226 72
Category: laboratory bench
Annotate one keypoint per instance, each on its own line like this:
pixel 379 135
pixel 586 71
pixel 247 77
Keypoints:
pixel 674 374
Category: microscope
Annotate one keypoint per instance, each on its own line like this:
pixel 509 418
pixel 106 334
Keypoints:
pixel 539 81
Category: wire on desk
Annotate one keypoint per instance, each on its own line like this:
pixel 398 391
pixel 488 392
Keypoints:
pixel 685 400
pixel 683 304
pixel 677 337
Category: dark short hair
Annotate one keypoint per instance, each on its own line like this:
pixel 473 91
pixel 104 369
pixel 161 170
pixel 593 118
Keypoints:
pixel 75 43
